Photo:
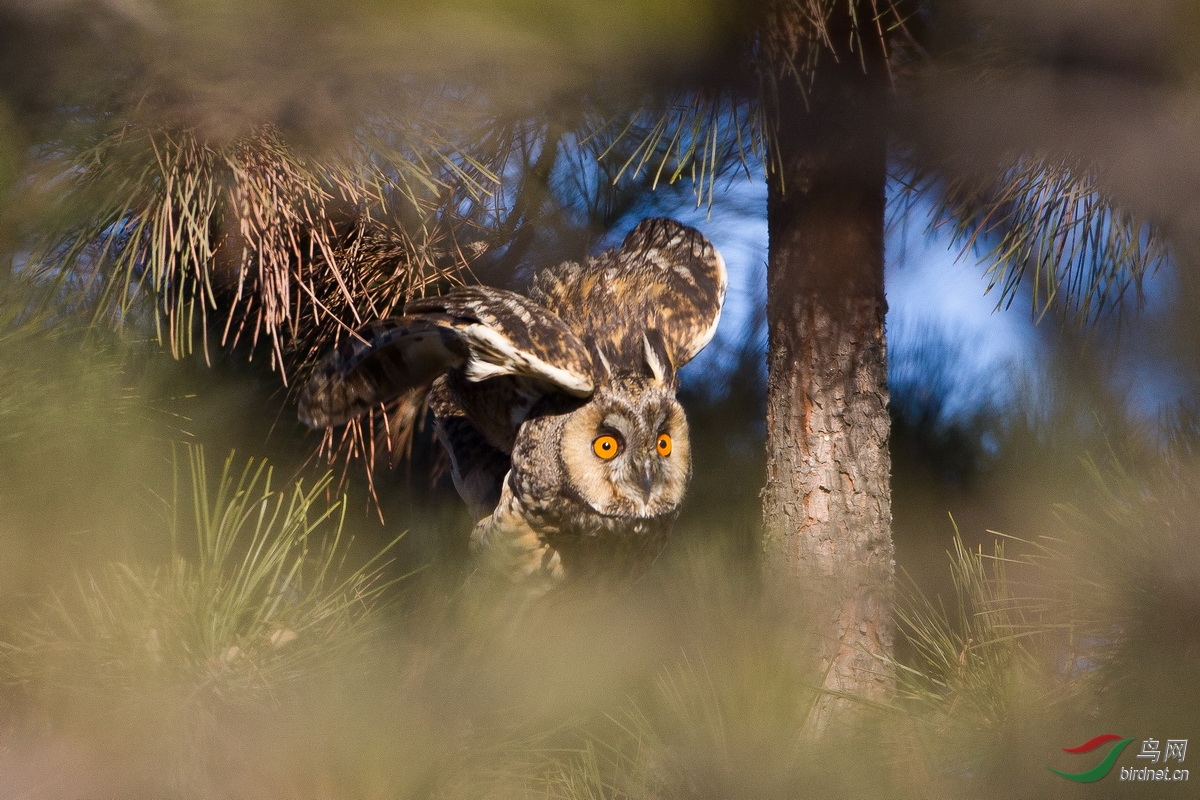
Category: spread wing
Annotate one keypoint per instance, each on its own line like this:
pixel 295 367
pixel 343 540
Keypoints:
pixel 666 280
pixel 478 332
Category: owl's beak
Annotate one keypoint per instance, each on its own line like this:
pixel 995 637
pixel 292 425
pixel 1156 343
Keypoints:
pixel 647 477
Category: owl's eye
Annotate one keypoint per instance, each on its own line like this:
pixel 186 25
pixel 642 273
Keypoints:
pixel 664 444
pixel 606 446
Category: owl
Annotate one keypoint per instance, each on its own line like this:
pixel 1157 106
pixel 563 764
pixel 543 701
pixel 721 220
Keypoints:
pixel 557 407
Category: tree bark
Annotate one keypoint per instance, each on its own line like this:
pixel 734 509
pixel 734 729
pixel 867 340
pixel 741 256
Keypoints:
pixel 827 503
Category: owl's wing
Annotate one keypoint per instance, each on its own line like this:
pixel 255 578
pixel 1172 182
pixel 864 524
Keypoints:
pixel 662 289
pixel 479 331
pixel 690 271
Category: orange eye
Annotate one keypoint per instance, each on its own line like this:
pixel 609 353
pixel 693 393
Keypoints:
pixel 664 444
pixel 606 446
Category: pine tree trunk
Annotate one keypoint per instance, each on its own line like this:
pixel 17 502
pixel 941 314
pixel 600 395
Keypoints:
pixel 827 503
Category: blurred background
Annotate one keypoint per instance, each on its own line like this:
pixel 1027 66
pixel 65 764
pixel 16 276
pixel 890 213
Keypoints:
pixel 200 597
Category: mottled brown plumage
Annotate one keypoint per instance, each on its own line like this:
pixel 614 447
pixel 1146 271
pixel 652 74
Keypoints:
pixel 665 277
pixel 557 409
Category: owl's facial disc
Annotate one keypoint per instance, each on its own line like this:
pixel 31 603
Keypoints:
pixel 627 453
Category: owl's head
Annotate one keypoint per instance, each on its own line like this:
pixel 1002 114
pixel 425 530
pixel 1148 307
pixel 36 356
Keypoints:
pixel 625 453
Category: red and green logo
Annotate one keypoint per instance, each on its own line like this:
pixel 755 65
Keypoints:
pixel 1104 767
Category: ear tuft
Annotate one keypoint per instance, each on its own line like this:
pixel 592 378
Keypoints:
pixel 658 358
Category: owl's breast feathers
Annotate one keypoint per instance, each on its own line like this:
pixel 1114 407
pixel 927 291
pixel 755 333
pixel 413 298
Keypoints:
pixel 665 277
pixel 543 539
pixel 535 544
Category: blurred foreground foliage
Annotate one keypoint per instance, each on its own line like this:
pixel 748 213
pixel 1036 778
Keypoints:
pixel 252 571
pixel 195 630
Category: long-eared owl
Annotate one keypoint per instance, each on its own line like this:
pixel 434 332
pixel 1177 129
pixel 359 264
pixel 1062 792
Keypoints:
pixel 557 407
